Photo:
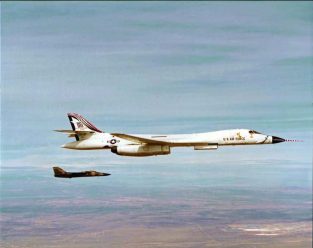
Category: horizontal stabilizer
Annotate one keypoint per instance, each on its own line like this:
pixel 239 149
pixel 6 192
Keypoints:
pixel 76 133
pixel 73 132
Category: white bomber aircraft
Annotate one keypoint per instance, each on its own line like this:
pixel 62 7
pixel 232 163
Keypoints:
pixel 88 137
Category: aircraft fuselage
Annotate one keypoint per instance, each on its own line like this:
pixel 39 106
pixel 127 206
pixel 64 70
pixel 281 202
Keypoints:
pixel 88 137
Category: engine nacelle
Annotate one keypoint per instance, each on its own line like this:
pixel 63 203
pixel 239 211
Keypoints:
pixel 141 150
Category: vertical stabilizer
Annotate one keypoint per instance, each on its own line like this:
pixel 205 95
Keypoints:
pixel 59 171
pixel 79 123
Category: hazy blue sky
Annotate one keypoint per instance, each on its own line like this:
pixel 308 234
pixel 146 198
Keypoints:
pixel 156 67
pixel 153 68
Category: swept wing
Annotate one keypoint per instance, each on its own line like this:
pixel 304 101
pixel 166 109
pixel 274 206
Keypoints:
pixel 143 140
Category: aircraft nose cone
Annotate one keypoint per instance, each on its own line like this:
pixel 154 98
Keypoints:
pixel 277 139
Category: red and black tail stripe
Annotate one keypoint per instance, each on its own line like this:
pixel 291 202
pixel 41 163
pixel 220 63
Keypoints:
pixel 84 121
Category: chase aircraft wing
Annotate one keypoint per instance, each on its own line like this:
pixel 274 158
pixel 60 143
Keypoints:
pixel 142 140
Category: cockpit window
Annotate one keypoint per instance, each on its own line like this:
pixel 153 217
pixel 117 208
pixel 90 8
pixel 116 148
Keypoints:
pixel 253 131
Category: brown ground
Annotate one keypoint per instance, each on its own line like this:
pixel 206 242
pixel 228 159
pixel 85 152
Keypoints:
pixel 236 235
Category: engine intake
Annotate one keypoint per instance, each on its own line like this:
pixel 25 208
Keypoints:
pixel 141 150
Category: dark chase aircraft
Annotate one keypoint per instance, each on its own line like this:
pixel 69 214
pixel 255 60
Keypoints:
pixel 59 172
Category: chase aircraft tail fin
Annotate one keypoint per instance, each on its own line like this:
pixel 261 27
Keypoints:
pixel 58 171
